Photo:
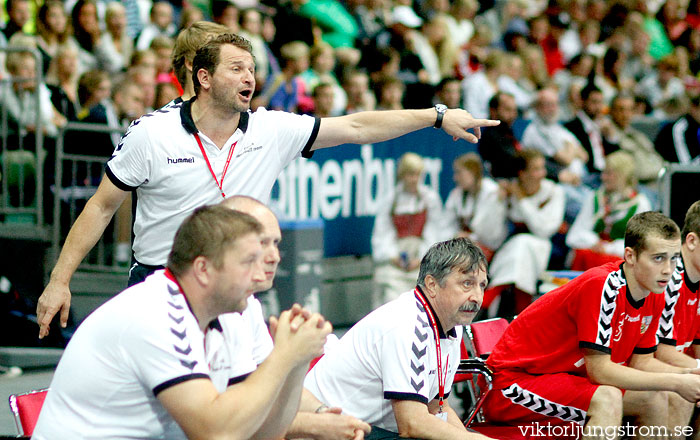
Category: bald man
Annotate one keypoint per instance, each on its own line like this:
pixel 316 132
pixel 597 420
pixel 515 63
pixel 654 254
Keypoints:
pixel 247 336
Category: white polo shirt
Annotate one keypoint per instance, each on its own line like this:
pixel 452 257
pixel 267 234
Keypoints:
pixel 242 343
pixel 160 159
pixel 136 345
pixel 389 355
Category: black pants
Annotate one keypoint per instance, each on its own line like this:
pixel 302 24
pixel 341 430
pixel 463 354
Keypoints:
pixel 383 434
pixel 139 272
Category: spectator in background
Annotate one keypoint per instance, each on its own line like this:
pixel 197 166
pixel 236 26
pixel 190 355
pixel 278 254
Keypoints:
pixel 356 87
pixel 435 48
pixel 409 221
pixel 165 93
pixel 337 26
pixel 323 96
pixel 536 210
pixel 18 14
pixel 639 64
pixel 593 131
pixel 163 48
pixel 663 85
pixel 322 59
pixel 648 162
pixel 62 81
pixel 226 13
pixel 512 81
pixel 292 25
pixel 483 84
pixel 597 235
pixel 571 81
pixel 86 30
pixel 460 21
pixel 565 156
pixel 678 142
pixel 287 90
pixel 449 92
pixel 115 48
pixel 390 94
pixel 51 31
pixel 190 15
pixel 474 208
pixel 161 23
pixel 251 28
pixel 20 96
pixel 94 93
pixel 498 145
pixel 145 78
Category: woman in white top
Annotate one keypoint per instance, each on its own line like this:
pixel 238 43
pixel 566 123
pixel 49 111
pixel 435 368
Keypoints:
pixel 407 224
pixel 115 47
pixel 474 208
pixel 598 233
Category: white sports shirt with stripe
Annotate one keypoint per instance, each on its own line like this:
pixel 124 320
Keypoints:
pixel 160 159
pixel 389 355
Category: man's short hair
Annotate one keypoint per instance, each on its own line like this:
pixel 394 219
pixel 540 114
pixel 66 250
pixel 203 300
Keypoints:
pixel 495 100
pixel 525 156
pixel 187 43
pixel 646 224
pixel 444 257
pixel 209 232
pixel 692 220
pixel 208 56
pixel 588 90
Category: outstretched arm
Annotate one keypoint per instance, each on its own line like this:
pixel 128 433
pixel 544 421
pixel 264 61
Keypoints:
pixel 378 126
pixel 87 229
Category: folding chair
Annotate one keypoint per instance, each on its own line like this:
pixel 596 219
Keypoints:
pixel 481 337
pixel 26 408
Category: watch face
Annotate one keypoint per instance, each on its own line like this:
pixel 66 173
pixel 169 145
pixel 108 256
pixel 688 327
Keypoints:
pixel 441 108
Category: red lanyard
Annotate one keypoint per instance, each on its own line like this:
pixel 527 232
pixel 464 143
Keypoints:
pixel 220 185
pixel 442 376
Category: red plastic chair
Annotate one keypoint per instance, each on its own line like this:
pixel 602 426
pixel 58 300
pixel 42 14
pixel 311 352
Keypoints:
pixel 26 408
pixel 480 339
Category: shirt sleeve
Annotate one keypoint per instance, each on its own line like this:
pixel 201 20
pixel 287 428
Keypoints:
pixel 130 165
pixel 593 309
pixel 295 134
pixel 405 363
pixel 165 352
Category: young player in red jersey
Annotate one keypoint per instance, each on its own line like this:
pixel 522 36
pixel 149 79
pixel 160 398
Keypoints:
pixel 679 326
pixel 569 356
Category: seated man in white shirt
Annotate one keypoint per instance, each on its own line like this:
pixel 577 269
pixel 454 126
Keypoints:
pixel 247 343
pixel 395 367
pixel 138 365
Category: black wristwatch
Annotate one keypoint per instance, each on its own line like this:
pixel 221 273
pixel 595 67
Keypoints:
pixel 441 109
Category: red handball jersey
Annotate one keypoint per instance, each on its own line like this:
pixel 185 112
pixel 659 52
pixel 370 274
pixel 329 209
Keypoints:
pixel 680 321
pixel 594 310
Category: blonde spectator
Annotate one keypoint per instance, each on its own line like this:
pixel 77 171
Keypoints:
pixel 323 60
pixel 407 224
pixel 474 208
pixel 251 29
pixel 460 21
pixel 597 235
pixel 62 81
pixel 162 47
pixel 483 84
pixel 189 16
pixel 115 47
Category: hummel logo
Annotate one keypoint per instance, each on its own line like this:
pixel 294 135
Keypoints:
pixel 181 160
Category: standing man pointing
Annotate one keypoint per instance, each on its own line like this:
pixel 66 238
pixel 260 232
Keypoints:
pixel 210 147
